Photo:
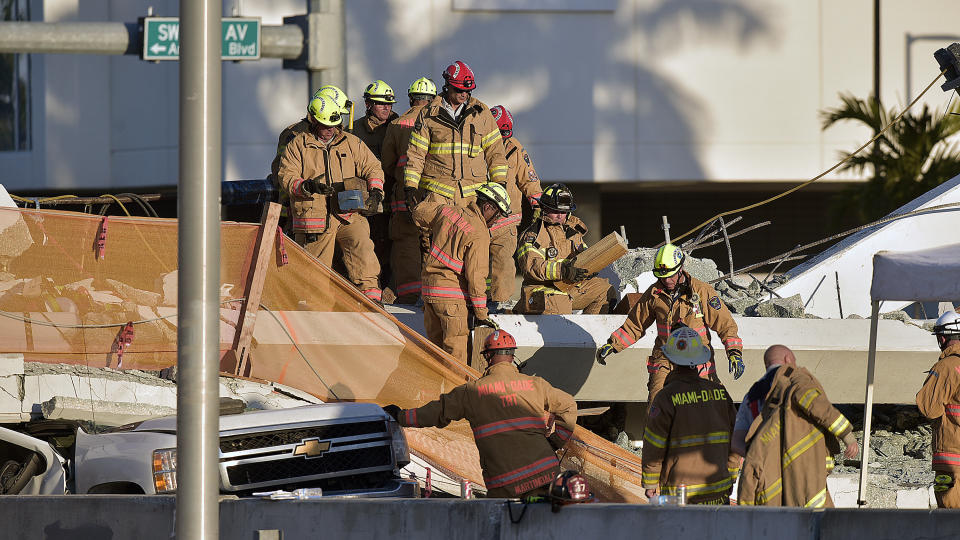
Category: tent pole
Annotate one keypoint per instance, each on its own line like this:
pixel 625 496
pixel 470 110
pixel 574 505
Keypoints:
pixel 868 403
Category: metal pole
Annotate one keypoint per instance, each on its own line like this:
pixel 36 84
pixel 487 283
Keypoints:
pixel 666 233
pixel 198 332
pixel 868 404
pixel 337 74
pixel 119 38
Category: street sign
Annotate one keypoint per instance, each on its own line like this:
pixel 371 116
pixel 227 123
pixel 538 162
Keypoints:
pixel 240 38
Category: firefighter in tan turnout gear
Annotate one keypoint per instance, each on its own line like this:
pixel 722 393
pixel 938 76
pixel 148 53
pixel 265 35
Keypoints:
pixel 456 265
pixel 316 167
pixel 676 297
pixel 687 437
pixel 939 400
pixel 405 257
pixel 547 255
pixel 790 446
pixel 519 421
pixel 455 145
pixel 302 126
pixel 371 129
pixel 522 184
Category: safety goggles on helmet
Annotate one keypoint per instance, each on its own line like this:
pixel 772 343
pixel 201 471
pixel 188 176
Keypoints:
pixel 504 120
pixel 379 92
pixel 422 88
pixel 685 347
pixel 497 194
pixel 459 76
pixel 337 95
pixel 557 198
pixel 668 261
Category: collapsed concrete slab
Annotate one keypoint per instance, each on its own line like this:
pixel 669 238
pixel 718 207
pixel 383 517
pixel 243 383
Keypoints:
pixel 848 265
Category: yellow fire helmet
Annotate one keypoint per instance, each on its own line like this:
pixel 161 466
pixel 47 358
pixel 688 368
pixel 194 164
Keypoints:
pixel 685 347
pixel 668 261
pixel 379 92
pixel 422 88
pixel 324 111
pixel 496 193
pixel 336 95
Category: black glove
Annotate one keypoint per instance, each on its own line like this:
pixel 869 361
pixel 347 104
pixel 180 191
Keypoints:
pixel 393 411
pixel 412 196
pixel 373 201
pixel 570 273
pixel 318 186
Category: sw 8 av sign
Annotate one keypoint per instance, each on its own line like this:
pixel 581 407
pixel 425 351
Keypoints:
pixel 240 38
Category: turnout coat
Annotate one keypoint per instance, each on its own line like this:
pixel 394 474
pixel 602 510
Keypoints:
pixel 790 446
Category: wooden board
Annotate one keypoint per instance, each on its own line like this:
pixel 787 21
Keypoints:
pixel 598 256
pixel 236 360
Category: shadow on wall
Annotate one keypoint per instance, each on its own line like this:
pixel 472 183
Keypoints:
pixel 585 88
pixel 565 368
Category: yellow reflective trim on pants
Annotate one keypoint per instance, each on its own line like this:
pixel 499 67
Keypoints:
pixel 446 190
pixel 818 500
pixel 654 439
pixel 839 425
pixel 808 398
pixel 546 290
pixel 801 446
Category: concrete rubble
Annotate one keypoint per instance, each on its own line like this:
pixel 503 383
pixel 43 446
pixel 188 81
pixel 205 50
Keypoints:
pixel 110 397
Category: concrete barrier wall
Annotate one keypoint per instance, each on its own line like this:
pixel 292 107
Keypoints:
pixel 152 518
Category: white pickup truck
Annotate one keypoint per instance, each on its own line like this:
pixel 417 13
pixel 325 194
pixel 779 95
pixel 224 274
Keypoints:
pixel 347 449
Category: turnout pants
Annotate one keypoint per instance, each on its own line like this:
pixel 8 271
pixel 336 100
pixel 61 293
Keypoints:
pixel 353 237
pixel 503 268
pixel 590 295
pixel 405 258
pixel 446 324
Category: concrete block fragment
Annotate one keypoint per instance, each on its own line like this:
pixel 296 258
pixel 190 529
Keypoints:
pixel 843 490
pixel 10 399
pixel 781 307
pixel 914 498
pixel 104 413
pixel 11 364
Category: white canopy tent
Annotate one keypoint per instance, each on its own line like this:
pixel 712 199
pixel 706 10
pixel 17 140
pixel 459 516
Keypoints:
pixel 927 275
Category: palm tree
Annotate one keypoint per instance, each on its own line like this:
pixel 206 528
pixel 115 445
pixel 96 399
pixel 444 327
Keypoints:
pixel 911 158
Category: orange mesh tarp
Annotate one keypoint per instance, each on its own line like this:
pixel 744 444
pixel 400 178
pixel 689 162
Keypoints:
pixel 62 303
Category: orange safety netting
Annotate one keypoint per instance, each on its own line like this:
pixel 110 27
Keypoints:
pixel 61 303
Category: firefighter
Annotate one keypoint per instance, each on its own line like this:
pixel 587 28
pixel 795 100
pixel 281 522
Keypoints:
pixel 687 437
pixel 291 131
pixel 522 183
pixel 519 421
pixel 939 400
pixel 405 257
pixel 675 297
pixel 547 255
pixel 455 266
pixel 371 129
pixel 752 402
pixel 455 145
pixel 315 167
pixel 791 444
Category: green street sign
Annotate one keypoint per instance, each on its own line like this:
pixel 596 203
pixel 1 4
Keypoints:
pixel 240 38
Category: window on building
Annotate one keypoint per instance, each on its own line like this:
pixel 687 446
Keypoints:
pixel 14 86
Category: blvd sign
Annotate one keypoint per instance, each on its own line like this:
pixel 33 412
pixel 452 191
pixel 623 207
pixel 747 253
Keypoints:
pixel 240 38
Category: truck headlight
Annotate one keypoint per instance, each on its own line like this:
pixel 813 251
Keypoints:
pixel 165 470
pixel 401 452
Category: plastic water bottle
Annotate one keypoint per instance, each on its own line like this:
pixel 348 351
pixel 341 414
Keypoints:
pixel 682 494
